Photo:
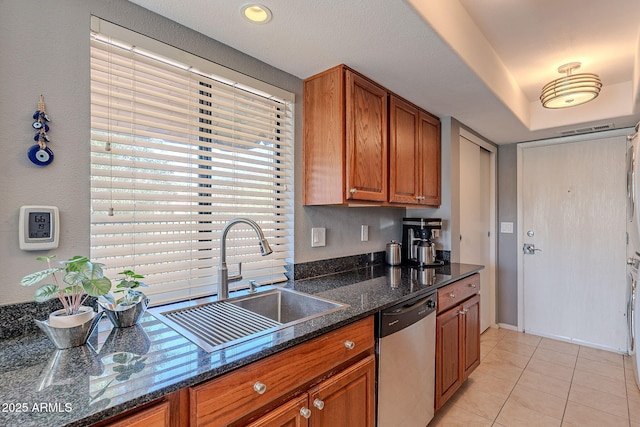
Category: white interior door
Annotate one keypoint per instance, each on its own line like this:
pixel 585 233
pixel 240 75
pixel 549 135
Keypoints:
pixel 573 212
pixel 475 220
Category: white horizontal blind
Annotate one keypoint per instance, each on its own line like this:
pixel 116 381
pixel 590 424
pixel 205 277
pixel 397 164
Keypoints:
pixel 175 155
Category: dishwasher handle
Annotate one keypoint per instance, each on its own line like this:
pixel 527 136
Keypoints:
pixel 411 307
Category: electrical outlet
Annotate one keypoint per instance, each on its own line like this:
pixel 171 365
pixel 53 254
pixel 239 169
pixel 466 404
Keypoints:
pixel 318 237
pixel 364 233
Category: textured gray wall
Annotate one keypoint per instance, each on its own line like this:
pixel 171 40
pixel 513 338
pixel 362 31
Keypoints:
pixel 45 50
pixel 507 268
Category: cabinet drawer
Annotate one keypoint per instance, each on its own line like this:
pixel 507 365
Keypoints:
pixel 154 416
pixel 457 292
pixel 235 395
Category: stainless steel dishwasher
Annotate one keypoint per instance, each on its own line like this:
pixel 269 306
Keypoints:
pixel 406 363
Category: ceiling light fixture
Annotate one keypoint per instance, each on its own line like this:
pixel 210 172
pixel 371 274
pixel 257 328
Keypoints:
pixel 571 90
pixel 256 13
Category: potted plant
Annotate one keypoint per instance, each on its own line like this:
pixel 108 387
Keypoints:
pixel 72 282
pixel 128 310
pixel 80 278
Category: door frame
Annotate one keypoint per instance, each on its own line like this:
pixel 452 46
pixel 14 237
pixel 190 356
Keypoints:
pixel 493 203
pixel 519 185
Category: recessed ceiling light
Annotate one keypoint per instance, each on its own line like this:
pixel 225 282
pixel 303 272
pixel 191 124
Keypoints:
pixel 256 13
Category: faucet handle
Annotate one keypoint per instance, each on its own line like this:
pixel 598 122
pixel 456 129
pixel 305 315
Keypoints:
pixel 252 286
pixel 238 276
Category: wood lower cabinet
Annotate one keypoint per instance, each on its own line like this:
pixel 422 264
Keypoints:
pixel 170 411
pixel 345 399
pixel 414 155
pixel 294 413
pixel 457 336
pixel 329 368
pixel 155 416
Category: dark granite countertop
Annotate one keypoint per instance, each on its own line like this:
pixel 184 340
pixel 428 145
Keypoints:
pixel 120 369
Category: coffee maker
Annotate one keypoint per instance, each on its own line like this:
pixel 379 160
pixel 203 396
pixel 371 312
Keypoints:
pixel 418 247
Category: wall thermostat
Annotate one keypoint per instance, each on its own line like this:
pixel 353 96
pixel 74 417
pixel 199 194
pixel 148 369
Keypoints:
pixel 39 228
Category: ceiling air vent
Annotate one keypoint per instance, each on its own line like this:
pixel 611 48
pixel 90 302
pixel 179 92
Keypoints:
pixel 589 129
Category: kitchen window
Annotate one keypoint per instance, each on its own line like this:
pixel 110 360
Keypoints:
pixel 180 146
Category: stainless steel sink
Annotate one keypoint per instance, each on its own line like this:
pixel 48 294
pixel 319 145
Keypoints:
pixel 218 324
pixel 285 306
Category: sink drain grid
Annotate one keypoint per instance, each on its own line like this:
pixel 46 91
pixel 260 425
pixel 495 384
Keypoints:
pixel 218 323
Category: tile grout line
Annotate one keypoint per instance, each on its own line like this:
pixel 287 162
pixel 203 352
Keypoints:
pixel 517 380
pixel 573 374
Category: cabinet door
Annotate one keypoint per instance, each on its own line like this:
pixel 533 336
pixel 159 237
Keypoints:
pixel 429 137
pixel 155 416
pixel 345 399
pixel 471 332
pixel 366 140
pixel 290 414
pixel 449 348
pixel 405 169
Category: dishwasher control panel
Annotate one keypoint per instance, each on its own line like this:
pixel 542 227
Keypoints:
pixel 400 316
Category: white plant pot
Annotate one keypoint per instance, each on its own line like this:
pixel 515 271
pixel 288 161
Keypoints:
pixel 59 318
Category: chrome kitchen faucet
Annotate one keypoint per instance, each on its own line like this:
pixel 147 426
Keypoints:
pixel 223 273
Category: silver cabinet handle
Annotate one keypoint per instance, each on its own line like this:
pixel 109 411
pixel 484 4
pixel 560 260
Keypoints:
pixel 452 295
pixel 353 191
pixel 305 412
pixel 259 387
pixel 350 345
pixel 473 285
pixel 318 403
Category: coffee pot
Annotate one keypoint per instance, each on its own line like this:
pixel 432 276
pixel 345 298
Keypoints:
pixel 425 252
pixel 418 247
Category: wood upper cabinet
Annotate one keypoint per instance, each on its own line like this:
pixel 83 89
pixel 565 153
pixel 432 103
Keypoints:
pixel 414 155
pixel 345 139
pixel 429 137
pixel 363 144
pixel 457 336
pixel 404 152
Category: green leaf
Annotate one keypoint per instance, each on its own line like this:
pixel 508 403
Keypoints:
pixel 108 298
pixel 46 292
pixel 92 271
pixel 33 278
pixel 97 287
pixel 73 278
pixel 73 290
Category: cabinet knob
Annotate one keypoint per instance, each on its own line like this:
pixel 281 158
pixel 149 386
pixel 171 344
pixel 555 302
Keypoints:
pixel 318 403
pixel 461 312
pixel 305 412
pixel 353 190
pixel 350 345
pixel 473 285
pixel 259 387
pixel 452 295
pixel 420 197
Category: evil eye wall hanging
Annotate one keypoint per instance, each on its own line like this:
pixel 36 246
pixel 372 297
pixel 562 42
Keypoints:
pixel 39 153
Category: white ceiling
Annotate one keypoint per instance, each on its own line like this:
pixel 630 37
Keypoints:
pixel 482 62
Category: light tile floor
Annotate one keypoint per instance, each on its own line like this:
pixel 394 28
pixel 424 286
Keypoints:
pixel 526 380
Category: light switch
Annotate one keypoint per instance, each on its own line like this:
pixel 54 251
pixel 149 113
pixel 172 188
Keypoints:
pixel 318 237
pixel 364 233
pixel 506 227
